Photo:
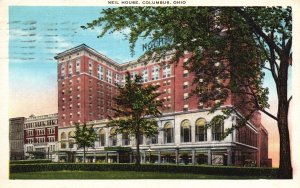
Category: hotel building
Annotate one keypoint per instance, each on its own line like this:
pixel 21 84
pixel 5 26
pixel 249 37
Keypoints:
pixel 86 87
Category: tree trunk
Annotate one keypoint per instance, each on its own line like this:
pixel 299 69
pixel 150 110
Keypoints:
pixel 137 161
pixel 83 154
pixel 285 166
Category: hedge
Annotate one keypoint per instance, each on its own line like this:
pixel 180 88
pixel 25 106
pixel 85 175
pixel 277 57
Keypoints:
pixel 211 170
pixel 31 161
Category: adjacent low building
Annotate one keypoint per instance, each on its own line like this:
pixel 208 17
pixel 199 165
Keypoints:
pixel 16 138
pixel 40 136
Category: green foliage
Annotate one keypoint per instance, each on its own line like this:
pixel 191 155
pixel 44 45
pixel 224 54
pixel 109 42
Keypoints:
pixel 30 161
pixel 84 136
pixel 136 108
pixel 212 170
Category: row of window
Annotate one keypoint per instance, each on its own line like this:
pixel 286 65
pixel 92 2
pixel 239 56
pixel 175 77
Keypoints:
pixel 51 148
pixel 40 123
pixel 69 68
pixel 168 134
pixel 41 131
pixel 40 139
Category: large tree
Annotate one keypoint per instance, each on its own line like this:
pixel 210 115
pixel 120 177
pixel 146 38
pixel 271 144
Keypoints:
pixel 227 43
pixel 85 137
pixel 136 108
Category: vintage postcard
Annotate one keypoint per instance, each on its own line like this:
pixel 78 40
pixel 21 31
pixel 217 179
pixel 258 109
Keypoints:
pixel 149 93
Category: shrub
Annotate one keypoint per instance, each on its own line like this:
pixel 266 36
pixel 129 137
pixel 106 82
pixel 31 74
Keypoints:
pixel 211 170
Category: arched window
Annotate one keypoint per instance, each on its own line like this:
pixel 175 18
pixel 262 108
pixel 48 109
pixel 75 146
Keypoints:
pixel 101 137
pixel 201 131
pixel 71 139
pixel 125 138
pixel 113 137
pixel 217 132
pixel 168 133
pixel 185 131
pixel 63 138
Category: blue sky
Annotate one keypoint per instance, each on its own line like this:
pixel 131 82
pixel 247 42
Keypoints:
pixel 36 35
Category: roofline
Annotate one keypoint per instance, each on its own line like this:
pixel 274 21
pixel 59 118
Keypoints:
pixel 95 52
pixel 89 49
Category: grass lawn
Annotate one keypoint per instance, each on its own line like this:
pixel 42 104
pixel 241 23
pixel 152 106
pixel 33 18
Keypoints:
pixel 118 175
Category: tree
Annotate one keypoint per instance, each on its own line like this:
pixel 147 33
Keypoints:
pixel 135 111
pixel 227 43
pixel 84 137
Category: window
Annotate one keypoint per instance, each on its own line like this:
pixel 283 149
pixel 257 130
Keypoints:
pixel 185 85
pixel 200 105
pixel 185 96
pixel 30 132
pixel 166 71
pixel 133 74
pixel 51 139
pixel 29 148
pixel 40 139
pixel 169 91
pixel 51 130
pixel 52 148
pixel 40 131
pixel 155 72
pixel 78 66
pixel 109 76
pixel 217 132
pixel 154 139
pixel 70 67
pixel 117 79
pixel 71 140
pixel 145 75
pixel 100 72
pixel 90 67
pixel 125 139
pixel 201 131
pixel 62 70
pixel 113 137
pixel 168 133
pixel 102 137
pixel 185 108
pixel 185 73
pixel 185 132
pixel 63 136
pixel 29 140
